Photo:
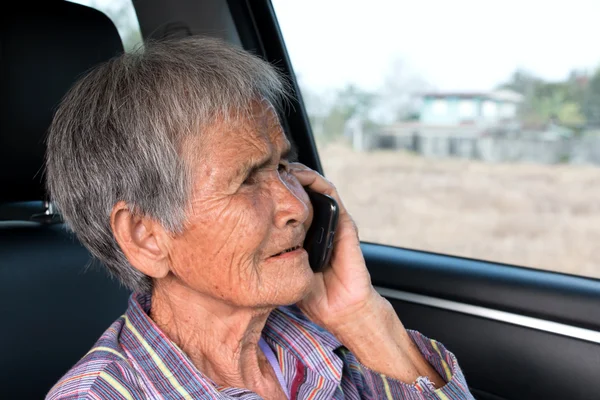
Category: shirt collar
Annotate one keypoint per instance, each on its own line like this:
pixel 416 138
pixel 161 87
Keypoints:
pixel 290 329
pixel 287 328
pixel 157 356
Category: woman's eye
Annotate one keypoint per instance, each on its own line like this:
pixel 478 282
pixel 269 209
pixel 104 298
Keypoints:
pixel 249 180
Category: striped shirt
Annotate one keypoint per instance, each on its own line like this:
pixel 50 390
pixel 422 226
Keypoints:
pixel 134 359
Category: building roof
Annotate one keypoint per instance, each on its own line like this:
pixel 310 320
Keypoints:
pixel 499 95
pixel 455 94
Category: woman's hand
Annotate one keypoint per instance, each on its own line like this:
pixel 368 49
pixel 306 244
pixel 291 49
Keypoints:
pixel 342 293
pixel 344 302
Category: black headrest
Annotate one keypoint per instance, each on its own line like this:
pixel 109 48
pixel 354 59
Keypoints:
pixel 44 48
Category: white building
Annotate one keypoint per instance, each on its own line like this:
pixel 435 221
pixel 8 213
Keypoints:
pixel 458 108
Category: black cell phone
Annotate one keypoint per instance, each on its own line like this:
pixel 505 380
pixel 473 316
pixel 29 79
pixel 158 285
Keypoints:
pixel 319 238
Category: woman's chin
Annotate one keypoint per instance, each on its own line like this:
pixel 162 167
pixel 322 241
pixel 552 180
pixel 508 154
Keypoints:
pixel 295 287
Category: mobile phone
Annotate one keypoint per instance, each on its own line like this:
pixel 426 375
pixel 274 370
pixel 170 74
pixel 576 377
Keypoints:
pixel 319 238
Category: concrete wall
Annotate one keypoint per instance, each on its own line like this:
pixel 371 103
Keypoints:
pixel 491 149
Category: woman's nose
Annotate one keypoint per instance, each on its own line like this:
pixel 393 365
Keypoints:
pixel 290 209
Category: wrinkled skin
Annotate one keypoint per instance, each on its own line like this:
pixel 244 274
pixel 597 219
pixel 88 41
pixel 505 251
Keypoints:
pixel 237 222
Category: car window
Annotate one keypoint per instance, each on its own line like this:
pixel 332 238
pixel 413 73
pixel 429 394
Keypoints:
pixel 122 14
pixel 464 128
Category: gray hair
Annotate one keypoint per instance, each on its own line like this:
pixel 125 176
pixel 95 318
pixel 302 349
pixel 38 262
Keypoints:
pixel 118 135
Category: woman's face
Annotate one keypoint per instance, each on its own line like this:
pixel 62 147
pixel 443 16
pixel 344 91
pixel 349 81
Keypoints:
pixel 246 209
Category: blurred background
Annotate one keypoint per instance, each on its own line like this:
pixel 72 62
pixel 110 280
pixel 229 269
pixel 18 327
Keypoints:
pixel 466 128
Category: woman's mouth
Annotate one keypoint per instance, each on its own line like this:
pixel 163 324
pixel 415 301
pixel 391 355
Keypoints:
pixel 287 251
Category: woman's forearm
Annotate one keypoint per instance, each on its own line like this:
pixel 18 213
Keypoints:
pixel 379 341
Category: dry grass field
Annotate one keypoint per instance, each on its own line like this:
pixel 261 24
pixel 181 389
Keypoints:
pixel 540 216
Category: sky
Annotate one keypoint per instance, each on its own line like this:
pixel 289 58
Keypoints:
pixel 458 45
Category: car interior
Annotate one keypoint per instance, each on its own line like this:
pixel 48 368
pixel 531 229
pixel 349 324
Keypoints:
pixel 518 333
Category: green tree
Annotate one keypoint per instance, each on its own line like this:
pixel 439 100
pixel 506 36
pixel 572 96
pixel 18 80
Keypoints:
pixel 551 103
pixel 349 102
pixel 559 102
pixel 569 114
pixel 591 102
pixel 523 82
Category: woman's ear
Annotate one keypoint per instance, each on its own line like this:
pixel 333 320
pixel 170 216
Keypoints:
pixel 144 241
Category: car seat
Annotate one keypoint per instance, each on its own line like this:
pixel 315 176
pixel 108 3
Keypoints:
pixel 54 303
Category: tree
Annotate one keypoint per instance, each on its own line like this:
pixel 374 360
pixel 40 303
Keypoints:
pixel 349 102
pixel 545 102
pixel 316 106
pixel 591 102
pixel 569 114
pixel 551 103
pixel 523 82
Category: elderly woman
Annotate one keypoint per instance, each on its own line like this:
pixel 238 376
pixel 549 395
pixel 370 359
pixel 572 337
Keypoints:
pixel 172 168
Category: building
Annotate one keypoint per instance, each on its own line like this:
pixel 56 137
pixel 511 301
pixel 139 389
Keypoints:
pixel 460 108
